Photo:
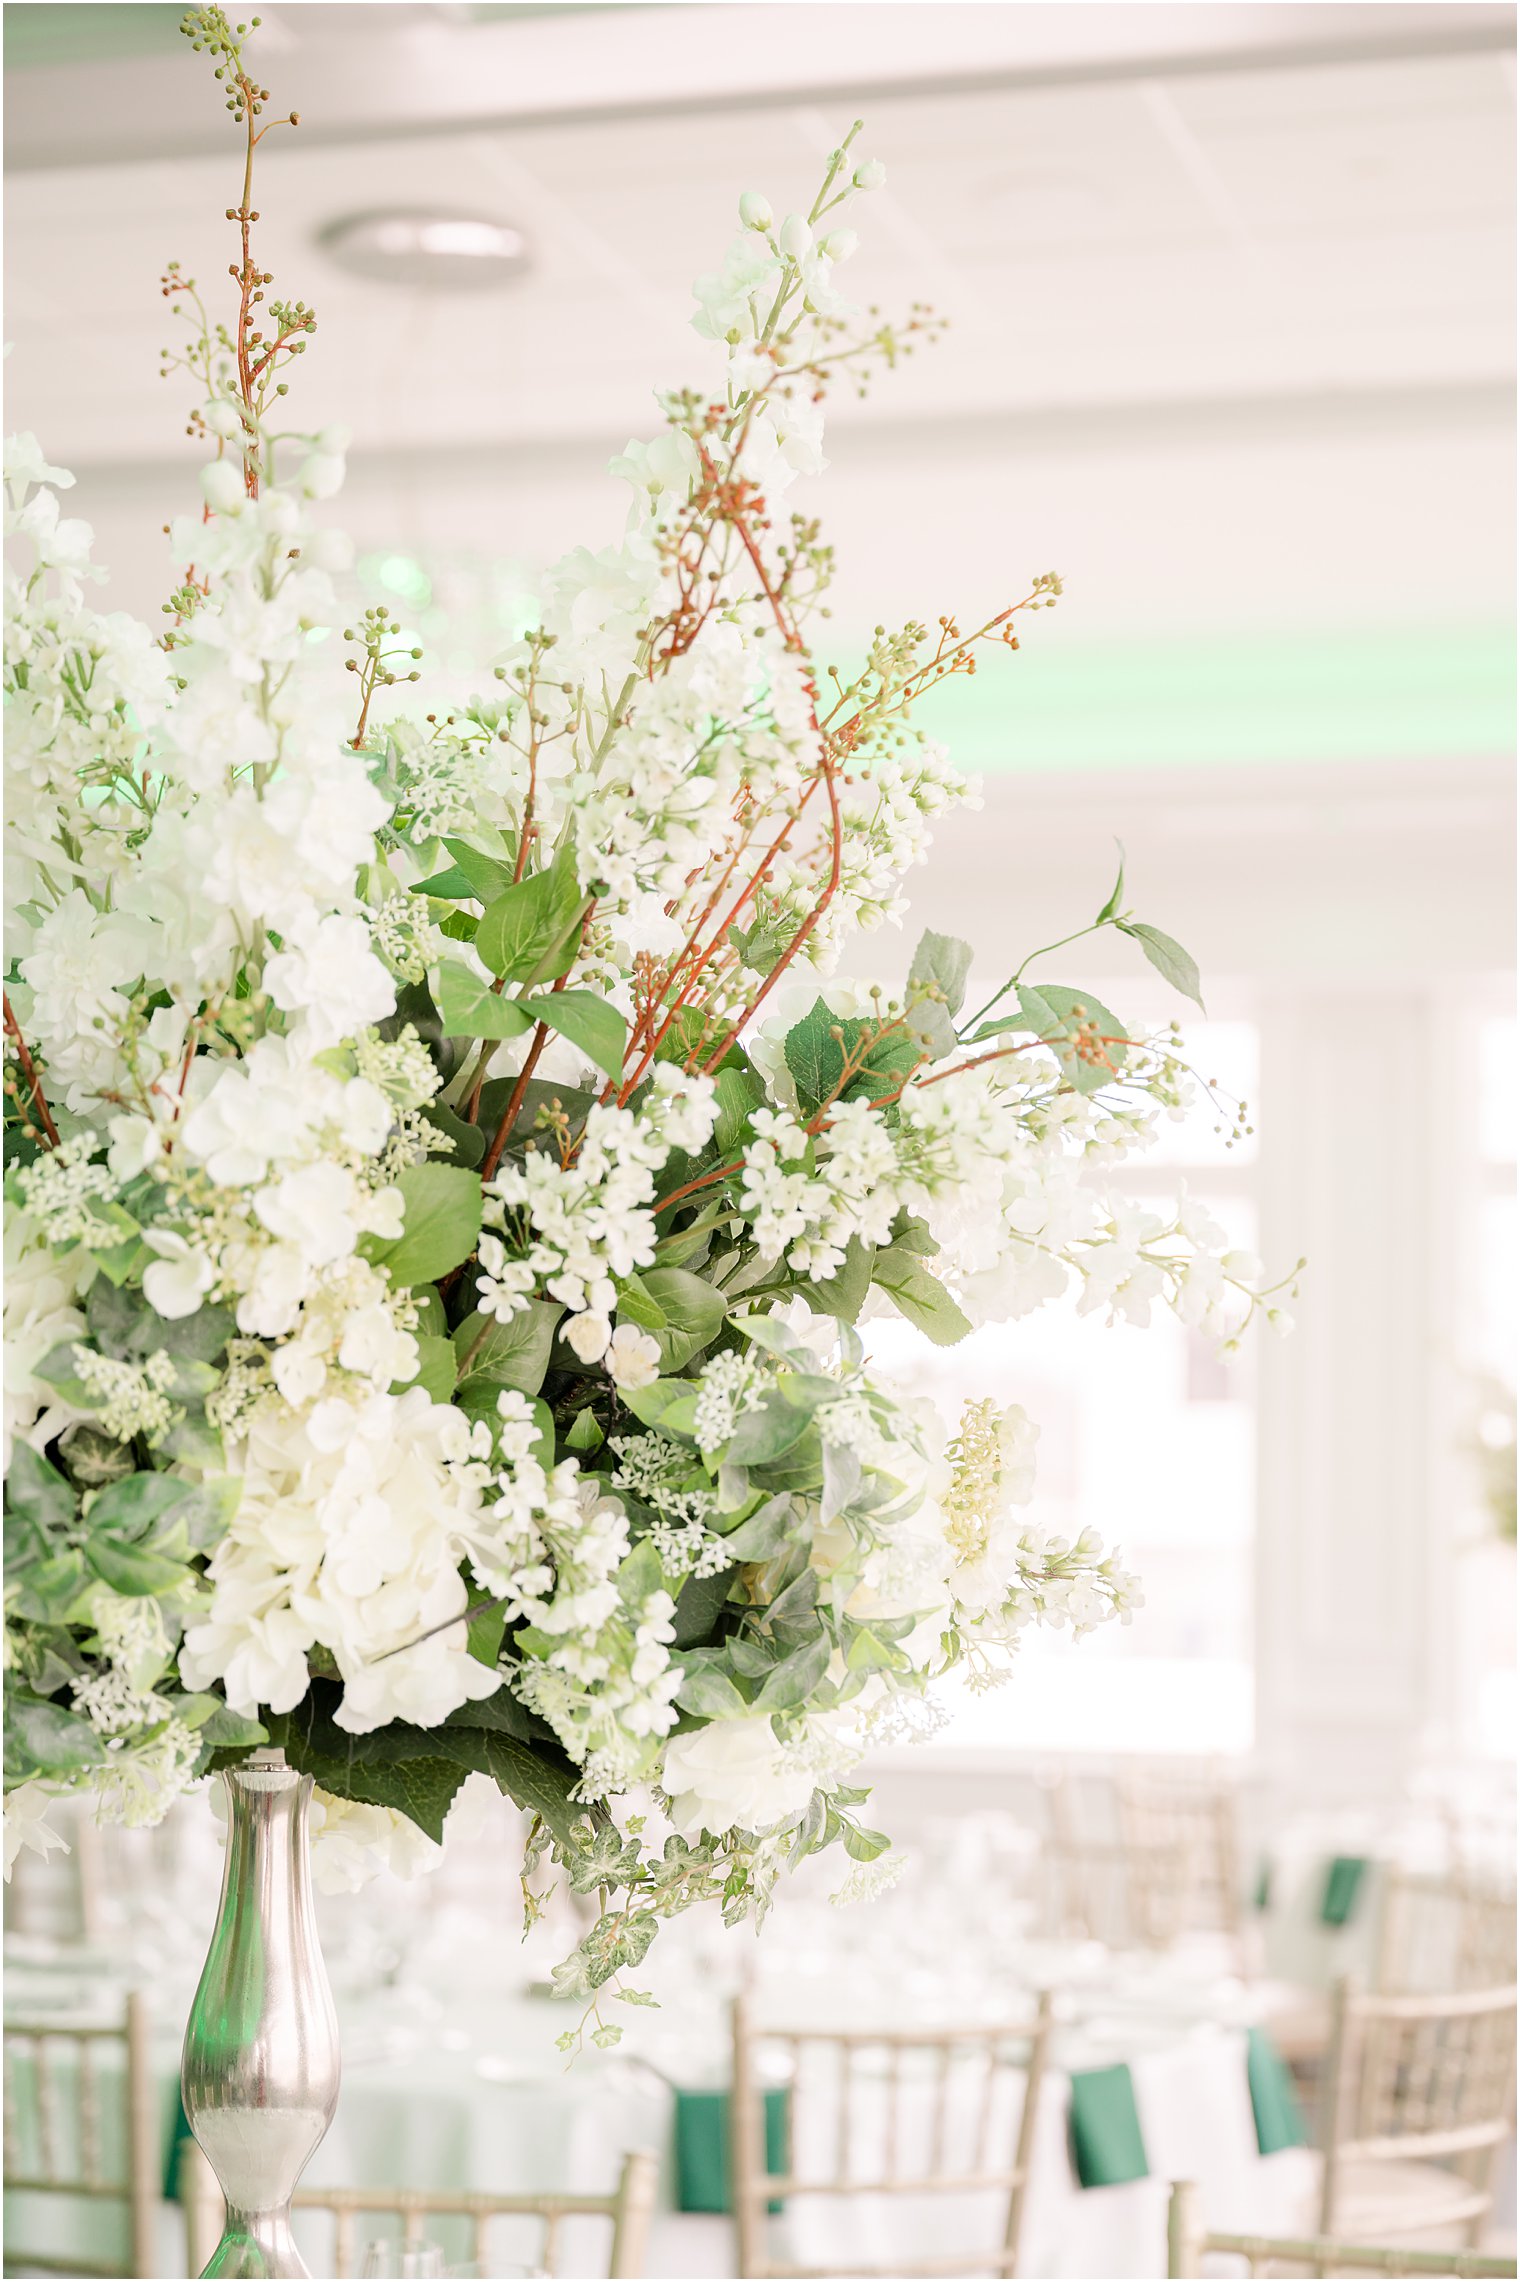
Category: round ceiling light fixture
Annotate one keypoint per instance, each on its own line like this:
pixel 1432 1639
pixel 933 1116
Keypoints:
pixel 440 252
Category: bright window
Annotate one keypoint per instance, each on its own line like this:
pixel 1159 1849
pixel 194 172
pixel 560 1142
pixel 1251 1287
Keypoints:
pixel 1148 1437
pixel 1490 1331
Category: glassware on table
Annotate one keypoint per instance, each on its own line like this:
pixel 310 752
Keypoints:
pixel 385 2256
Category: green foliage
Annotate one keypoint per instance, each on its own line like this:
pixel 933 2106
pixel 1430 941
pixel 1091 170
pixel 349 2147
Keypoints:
pixel 440 1223
pixel 528 933
pixel 1168 958
pixel 844 1293
pixel 920 1297
pixel 510 1354
pixel 589 1021
pixel 42 1735
pixel 469 1140
pixel 940 964
pixel 469 1008
pixel 878 1054
pixel 418 1770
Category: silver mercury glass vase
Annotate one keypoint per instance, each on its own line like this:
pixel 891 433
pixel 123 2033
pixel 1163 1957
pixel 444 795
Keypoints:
pixel 259 2075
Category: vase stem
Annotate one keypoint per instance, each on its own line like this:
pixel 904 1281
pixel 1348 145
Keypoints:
pixel 259 2076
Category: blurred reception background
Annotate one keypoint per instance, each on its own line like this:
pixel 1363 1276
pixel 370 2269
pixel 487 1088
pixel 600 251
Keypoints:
pixel 1230 346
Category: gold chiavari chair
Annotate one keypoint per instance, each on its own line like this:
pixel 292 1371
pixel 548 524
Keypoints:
pixel 1125 1895
pixel 1455 1931
pixel 1192 1824
pixel 858 2071
pixel 57 1898
pixel 629 2208
pixel 74 2129
pixel 1189 2242
pixel 1414 2084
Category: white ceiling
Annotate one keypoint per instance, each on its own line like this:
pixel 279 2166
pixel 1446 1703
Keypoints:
pixel 1230 294
pixel 1131 236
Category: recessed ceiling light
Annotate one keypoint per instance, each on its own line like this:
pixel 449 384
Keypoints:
pixel 448 253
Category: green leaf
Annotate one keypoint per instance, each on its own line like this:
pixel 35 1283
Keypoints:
pixel 537 1094
pixel 415 1010
pixel 920 1297
pixel 488 876
pixel 130 1508
pixel 793 1613
pixel 1063 1018
pixel 229 1730
pixel 864 1845
pixel 585 1434
pixel 37 1493
pixel 699 1604
pixel 48 1591
pixel 206 1510
pixel 529 933
pixel 654 1404
pixel 510 1354
pixel 1111 908
pixel 48 1737
pixel 468 1008
pixel 841 1479
pixel 1169 959
pixel 739 1092
pixel 418 1770
pixel 765 1532
pixel 791 1682
pixel 763 1433
pixel 484 1634
pixel 469 1140
pixel 944 961
pixel 710 1695
pixel 589 1021
pixel 844 1293
pixel 638 1306
pixel 436 1371
pixel 132 1569
pixel 689 1303
pixel 816 1057
pixel 441 1220
pixel 452 884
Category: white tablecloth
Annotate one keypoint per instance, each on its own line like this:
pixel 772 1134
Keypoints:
pixel 471 2092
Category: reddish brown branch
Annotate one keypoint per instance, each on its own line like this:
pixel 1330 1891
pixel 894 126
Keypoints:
pixel 30 1073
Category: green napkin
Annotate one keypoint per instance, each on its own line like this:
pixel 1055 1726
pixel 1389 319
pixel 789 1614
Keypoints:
pixel 1261 1899
pixel 177 2139
pixel 1107 2149
pixel 702 2176
pixel 1279 2118
pixel 1343 1885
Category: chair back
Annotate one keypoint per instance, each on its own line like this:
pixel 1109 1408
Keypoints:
pixel 1419 2079
pixel 56 1898
pixel 1124 1895
pixel 903 2111
pixel 629 2208
pixel 1456 1931
pixel 81 2121
pixel 1193 1824
pixel 1189 2242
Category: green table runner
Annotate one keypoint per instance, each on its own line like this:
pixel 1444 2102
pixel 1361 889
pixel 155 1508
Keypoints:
pixel 1343 1886
pixel 702 2169
pixel 177 2140
pixel 1274 2102
pixel 1107 2149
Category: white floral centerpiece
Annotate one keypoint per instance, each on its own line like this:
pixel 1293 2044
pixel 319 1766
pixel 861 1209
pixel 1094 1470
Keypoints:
pixel 444 1184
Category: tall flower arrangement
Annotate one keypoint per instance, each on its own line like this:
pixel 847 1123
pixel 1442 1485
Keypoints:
pixel 444 1183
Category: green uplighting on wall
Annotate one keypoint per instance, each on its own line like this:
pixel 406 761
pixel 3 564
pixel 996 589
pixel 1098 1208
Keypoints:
pixel 1238 699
